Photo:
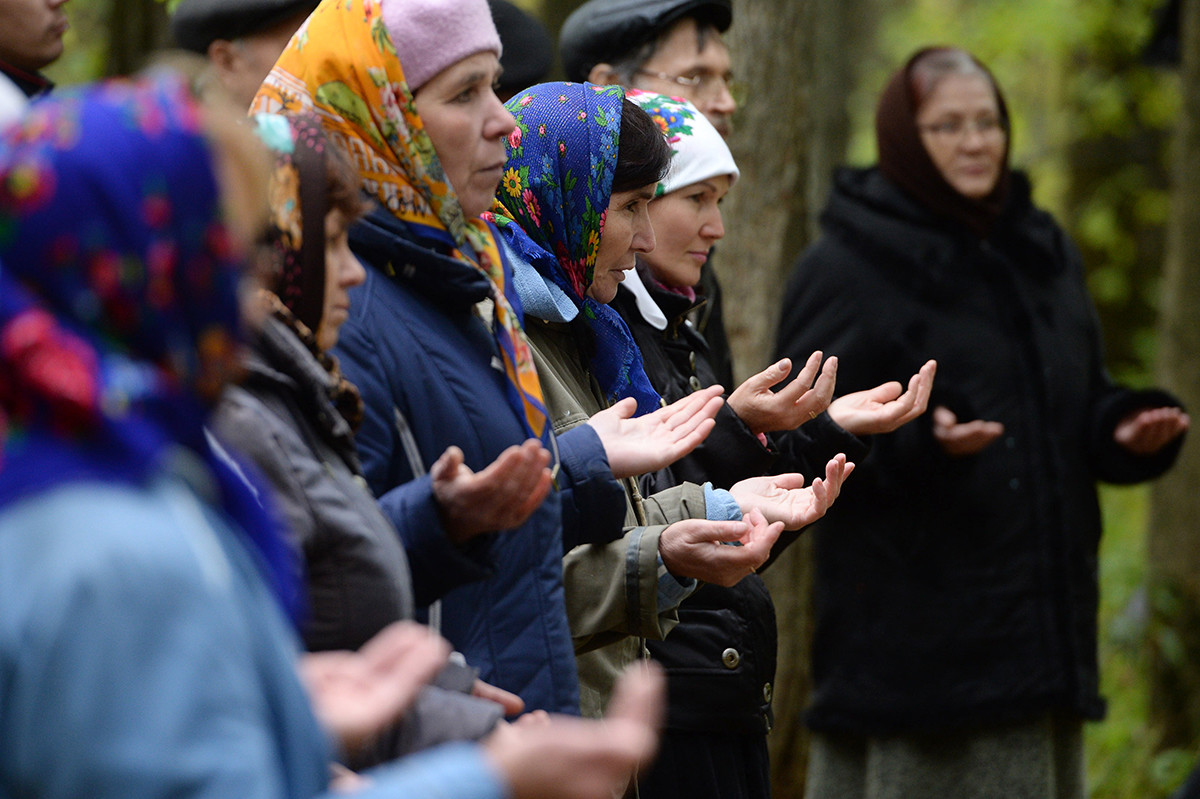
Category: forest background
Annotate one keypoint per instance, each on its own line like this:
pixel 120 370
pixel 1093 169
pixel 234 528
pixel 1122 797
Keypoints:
pixel 1105 97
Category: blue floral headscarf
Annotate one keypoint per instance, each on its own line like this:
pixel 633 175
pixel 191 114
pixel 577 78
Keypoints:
pixel 551 205
pixel 118 299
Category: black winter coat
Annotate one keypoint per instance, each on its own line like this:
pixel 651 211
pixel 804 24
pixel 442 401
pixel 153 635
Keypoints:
pixel 960 591
pixel 720 659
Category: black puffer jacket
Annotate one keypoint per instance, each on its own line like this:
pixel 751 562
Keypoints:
pixel 720 659
pixel 956 591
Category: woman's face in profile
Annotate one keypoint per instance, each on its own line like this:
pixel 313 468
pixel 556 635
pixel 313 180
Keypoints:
pixel 963 132
pixel 467 124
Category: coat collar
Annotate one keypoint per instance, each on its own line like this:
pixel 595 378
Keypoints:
pixel 387 244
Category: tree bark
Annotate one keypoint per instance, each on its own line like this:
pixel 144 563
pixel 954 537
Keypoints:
pixel 789 134
pixel 1174 545
pixel 136 29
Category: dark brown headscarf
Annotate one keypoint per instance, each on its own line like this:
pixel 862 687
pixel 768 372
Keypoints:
pixel 904 160
pixel 299 193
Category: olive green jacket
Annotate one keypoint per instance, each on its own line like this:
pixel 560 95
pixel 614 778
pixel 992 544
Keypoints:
pixel 612 589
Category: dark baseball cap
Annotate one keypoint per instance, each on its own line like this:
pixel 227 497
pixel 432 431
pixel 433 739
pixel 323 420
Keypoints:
pixel 602 30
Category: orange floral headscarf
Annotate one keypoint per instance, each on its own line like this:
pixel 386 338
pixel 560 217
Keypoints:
pixel 343 66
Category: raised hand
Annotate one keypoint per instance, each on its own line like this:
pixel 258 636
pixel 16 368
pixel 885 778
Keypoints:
pixel 701 549
pixel 783 498
pixel 764 410
pixel 356 695
pixel 500 497
pixel 572 758
pixel 655 440
pixel 959 439
pixel 884 408
pixel 1146 431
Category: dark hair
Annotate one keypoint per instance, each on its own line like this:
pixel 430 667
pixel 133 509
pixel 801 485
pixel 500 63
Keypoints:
pixel 643 155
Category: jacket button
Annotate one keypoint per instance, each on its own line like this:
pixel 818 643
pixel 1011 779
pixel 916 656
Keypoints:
pixel 767 692
pixel 731 658
pixel 694 382
pixel 692 360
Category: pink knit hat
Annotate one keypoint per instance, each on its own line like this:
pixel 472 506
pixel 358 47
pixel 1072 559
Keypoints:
pixel 431 35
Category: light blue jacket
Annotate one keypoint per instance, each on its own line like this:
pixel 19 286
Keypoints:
pixel 142 656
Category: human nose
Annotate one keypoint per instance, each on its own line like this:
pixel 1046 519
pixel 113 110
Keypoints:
pixel 352 271
pixel 973 136
pixel 714 226
pixel 500 122
pixel 643 233
pixel 722 100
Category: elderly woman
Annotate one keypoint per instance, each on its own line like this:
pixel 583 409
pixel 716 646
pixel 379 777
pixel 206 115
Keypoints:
pixel 955 648
pixel 434 341
pixel 583 166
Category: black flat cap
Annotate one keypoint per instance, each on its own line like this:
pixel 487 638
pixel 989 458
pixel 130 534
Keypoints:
pixel 602 30
pixel 196 23
pixel 528 50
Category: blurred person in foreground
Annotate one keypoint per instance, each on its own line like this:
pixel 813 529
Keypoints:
pixel 955 645
pixel 146 605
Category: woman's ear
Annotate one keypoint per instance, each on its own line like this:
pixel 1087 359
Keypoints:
pixel 603 74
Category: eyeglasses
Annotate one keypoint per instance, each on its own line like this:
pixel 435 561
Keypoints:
pixel 956 129
pixel 704 86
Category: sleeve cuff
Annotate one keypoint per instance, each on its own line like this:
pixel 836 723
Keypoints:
pixel 720 506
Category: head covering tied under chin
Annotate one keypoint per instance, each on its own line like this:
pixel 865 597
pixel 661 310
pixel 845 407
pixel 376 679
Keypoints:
pixel 904 160
pixel 551 207
pixel 119 305
pixel 299 199
pixel 343 65
pixel 698 152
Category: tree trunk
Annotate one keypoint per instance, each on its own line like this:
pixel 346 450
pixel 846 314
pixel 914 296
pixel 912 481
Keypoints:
pixel 136 29
pixel 790 133
pixel 1174 545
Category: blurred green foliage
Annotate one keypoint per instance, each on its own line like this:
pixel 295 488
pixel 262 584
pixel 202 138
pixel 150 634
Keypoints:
pixel 85 44
pixel 1122 762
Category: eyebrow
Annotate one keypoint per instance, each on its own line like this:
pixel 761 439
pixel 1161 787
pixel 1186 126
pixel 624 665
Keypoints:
pixel 471 78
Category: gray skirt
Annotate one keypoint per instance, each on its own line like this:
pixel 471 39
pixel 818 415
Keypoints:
pixel 1042 759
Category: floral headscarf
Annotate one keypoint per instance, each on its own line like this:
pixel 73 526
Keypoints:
pixel 118 298
pixel 698 151
pixel 342 65
pixel 299 199
pixel 551 206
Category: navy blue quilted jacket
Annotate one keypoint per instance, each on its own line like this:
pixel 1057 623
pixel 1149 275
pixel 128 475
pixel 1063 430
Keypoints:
pixel 414 345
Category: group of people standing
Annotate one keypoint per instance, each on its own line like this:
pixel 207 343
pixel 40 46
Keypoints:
pixel 393 350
